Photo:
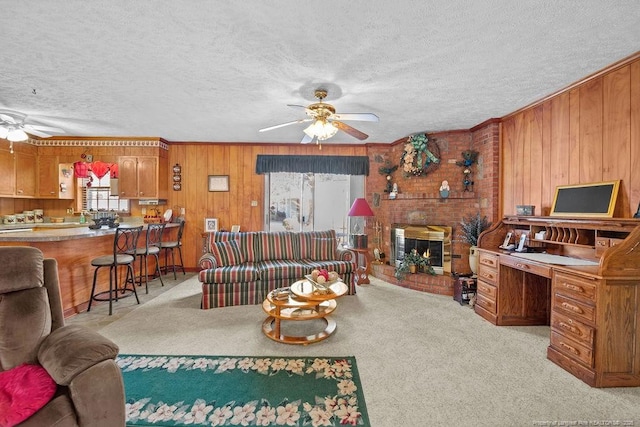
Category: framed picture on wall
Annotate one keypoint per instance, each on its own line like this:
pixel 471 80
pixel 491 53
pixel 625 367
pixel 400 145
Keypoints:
pixel 210 224
pixel 218 182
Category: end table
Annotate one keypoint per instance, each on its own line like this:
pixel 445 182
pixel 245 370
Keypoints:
pixel 362 271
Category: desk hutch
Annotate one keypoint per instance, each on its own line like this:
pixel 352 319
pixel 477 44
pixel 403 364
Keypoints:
pixel 593 310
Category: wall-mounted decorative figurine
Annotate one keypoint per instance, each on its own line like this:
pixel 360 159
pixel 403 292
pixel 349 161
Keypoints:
pixel 420 156
pixel 394 191
pixel 444 189
pixel 177 177
pixel 387 170
pixel 466 181
pixel 469 158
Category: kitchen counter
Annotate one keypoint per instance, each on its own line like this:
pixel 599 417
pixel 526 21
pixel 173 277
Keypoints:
pixel 53 232
pixel 74 245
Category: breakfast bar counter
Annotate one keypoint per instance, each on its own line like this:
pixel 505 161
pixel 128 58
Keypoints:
pixel 73 246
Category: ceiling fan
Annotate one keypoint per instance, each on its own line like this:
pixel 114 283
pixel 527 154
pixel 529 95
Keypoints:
pixel 14 127
pixel 326 122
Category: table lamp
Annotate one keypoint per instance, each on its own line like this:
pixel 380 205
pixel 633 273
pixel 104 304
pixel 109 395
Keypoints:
pixel 360 208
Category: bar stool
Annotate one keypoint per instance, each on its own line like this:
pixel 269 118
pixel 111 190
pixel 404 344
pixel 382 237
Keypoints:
pixel 151 247
pixel 169 246
pixel 124 249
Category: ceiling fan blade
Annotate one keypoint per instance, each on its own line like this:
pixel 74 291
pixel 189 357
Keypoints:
pixel 307 139
pixel 37 132
pixel 284 124
pixel 12 117
pixel 350 130
pixel 28 127
pixel 363 117
pixel 309 112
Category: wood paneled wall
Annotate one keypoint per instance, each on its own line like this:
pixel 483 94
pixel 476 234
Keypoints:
pixel 198 161
pixel 587 133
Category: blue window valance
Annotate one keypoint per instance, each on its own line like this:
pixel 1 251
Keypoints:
pixel 342 165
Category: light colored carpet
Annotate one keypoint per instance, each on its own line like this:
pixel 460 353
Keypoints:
pixel 423 359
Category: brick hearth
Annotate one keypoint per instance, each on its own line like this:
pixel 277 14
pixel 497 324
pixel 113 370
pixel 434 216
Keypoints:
pixel 420 281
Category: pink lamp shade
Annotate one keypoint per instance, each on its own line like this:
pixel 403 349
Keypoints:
pixel 360 207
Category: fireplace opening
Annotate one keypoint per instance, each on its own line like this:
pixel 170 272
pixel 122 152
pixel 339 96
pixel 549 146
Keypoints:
pixel 433 241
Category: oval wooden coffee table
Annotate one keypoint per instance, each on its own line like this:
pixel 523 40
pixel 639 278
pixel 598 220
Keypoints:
pixel 303 303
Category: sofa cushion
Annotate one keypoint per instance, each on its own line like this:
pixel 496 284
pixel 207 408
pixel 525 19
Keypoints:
pixel 277 245
pixel 323 249
pixel 227 253
pixel 23 391
pixel 282 269
pixel 307 244
pixel 245 242
pixel 247 272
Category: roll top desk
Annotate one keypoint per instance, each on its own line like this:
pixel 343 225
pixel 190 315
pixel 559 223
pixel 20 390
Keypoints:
pixel 593 310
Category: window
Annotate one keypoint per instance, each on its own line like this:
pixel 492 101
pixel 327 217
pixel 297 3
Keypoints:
pixel 308 201
pixel 97 194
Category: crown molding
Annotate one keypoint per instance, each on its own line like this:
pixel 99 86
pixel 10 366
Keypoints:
pixel 99 142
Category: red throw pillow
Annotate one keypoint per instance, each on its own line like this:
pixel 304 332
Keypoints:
pixel 23 391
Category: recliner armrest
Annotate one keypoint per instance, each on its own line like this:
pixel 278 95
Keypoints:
pixel 71 349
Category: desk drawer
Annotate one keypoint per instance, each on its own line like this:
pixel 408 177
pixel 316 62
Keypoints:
pixel 575 286
pixel 573 308
pixel 524 265
pixel 486 303
pixel 488 260
pixel 572 349
pixel 488 274
pixel 487 290
pixel 578 331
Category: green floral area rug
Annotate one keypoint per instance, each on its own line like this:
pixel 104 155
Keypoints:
pixel 242 391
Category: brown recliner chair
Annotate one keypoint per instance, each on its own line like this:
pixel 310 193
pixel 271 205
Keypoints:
pixel 90 389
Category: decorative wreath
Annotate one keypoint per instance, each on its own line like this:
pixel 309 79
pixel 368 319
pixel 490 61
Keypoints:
pixel 420 156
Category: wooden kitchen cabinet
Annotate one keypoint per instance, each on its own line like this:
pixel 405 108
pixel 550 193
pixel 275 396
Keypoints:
pixel 55 179
pixel 142 177
pixel 26 181
pixel 7 173
pixel 18 172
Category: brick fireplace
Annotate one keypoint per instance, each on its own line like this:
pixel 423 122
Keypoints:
pixel 430 241
pixel 419 203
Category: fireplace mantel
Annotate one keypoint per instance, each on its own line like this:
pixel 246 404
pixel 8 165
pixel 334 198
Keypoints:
pixel 423 196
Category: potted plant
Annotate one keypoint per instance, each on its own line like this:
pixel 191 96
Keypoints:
pixel 411 263
pixel 472 227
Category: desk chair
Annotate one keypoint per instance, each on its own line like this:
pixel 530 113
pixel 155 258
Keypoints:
pixel 124 249
pixel 169 246
pixel 151 247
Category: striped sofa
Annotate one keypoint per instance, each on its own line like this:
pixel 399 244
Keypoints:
pixel 242 268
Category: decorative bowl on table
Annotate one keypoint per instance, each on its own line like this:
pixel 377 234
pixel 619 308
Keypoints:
pixel 322 287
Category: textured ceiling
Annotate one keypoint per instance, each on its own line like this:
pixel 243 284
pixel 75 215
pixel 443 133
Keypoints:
pixel 218 71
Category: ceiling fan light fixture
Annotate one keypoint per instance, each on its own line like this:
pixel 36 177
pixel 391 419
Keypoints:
pixel 17 135
pixel 321 129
